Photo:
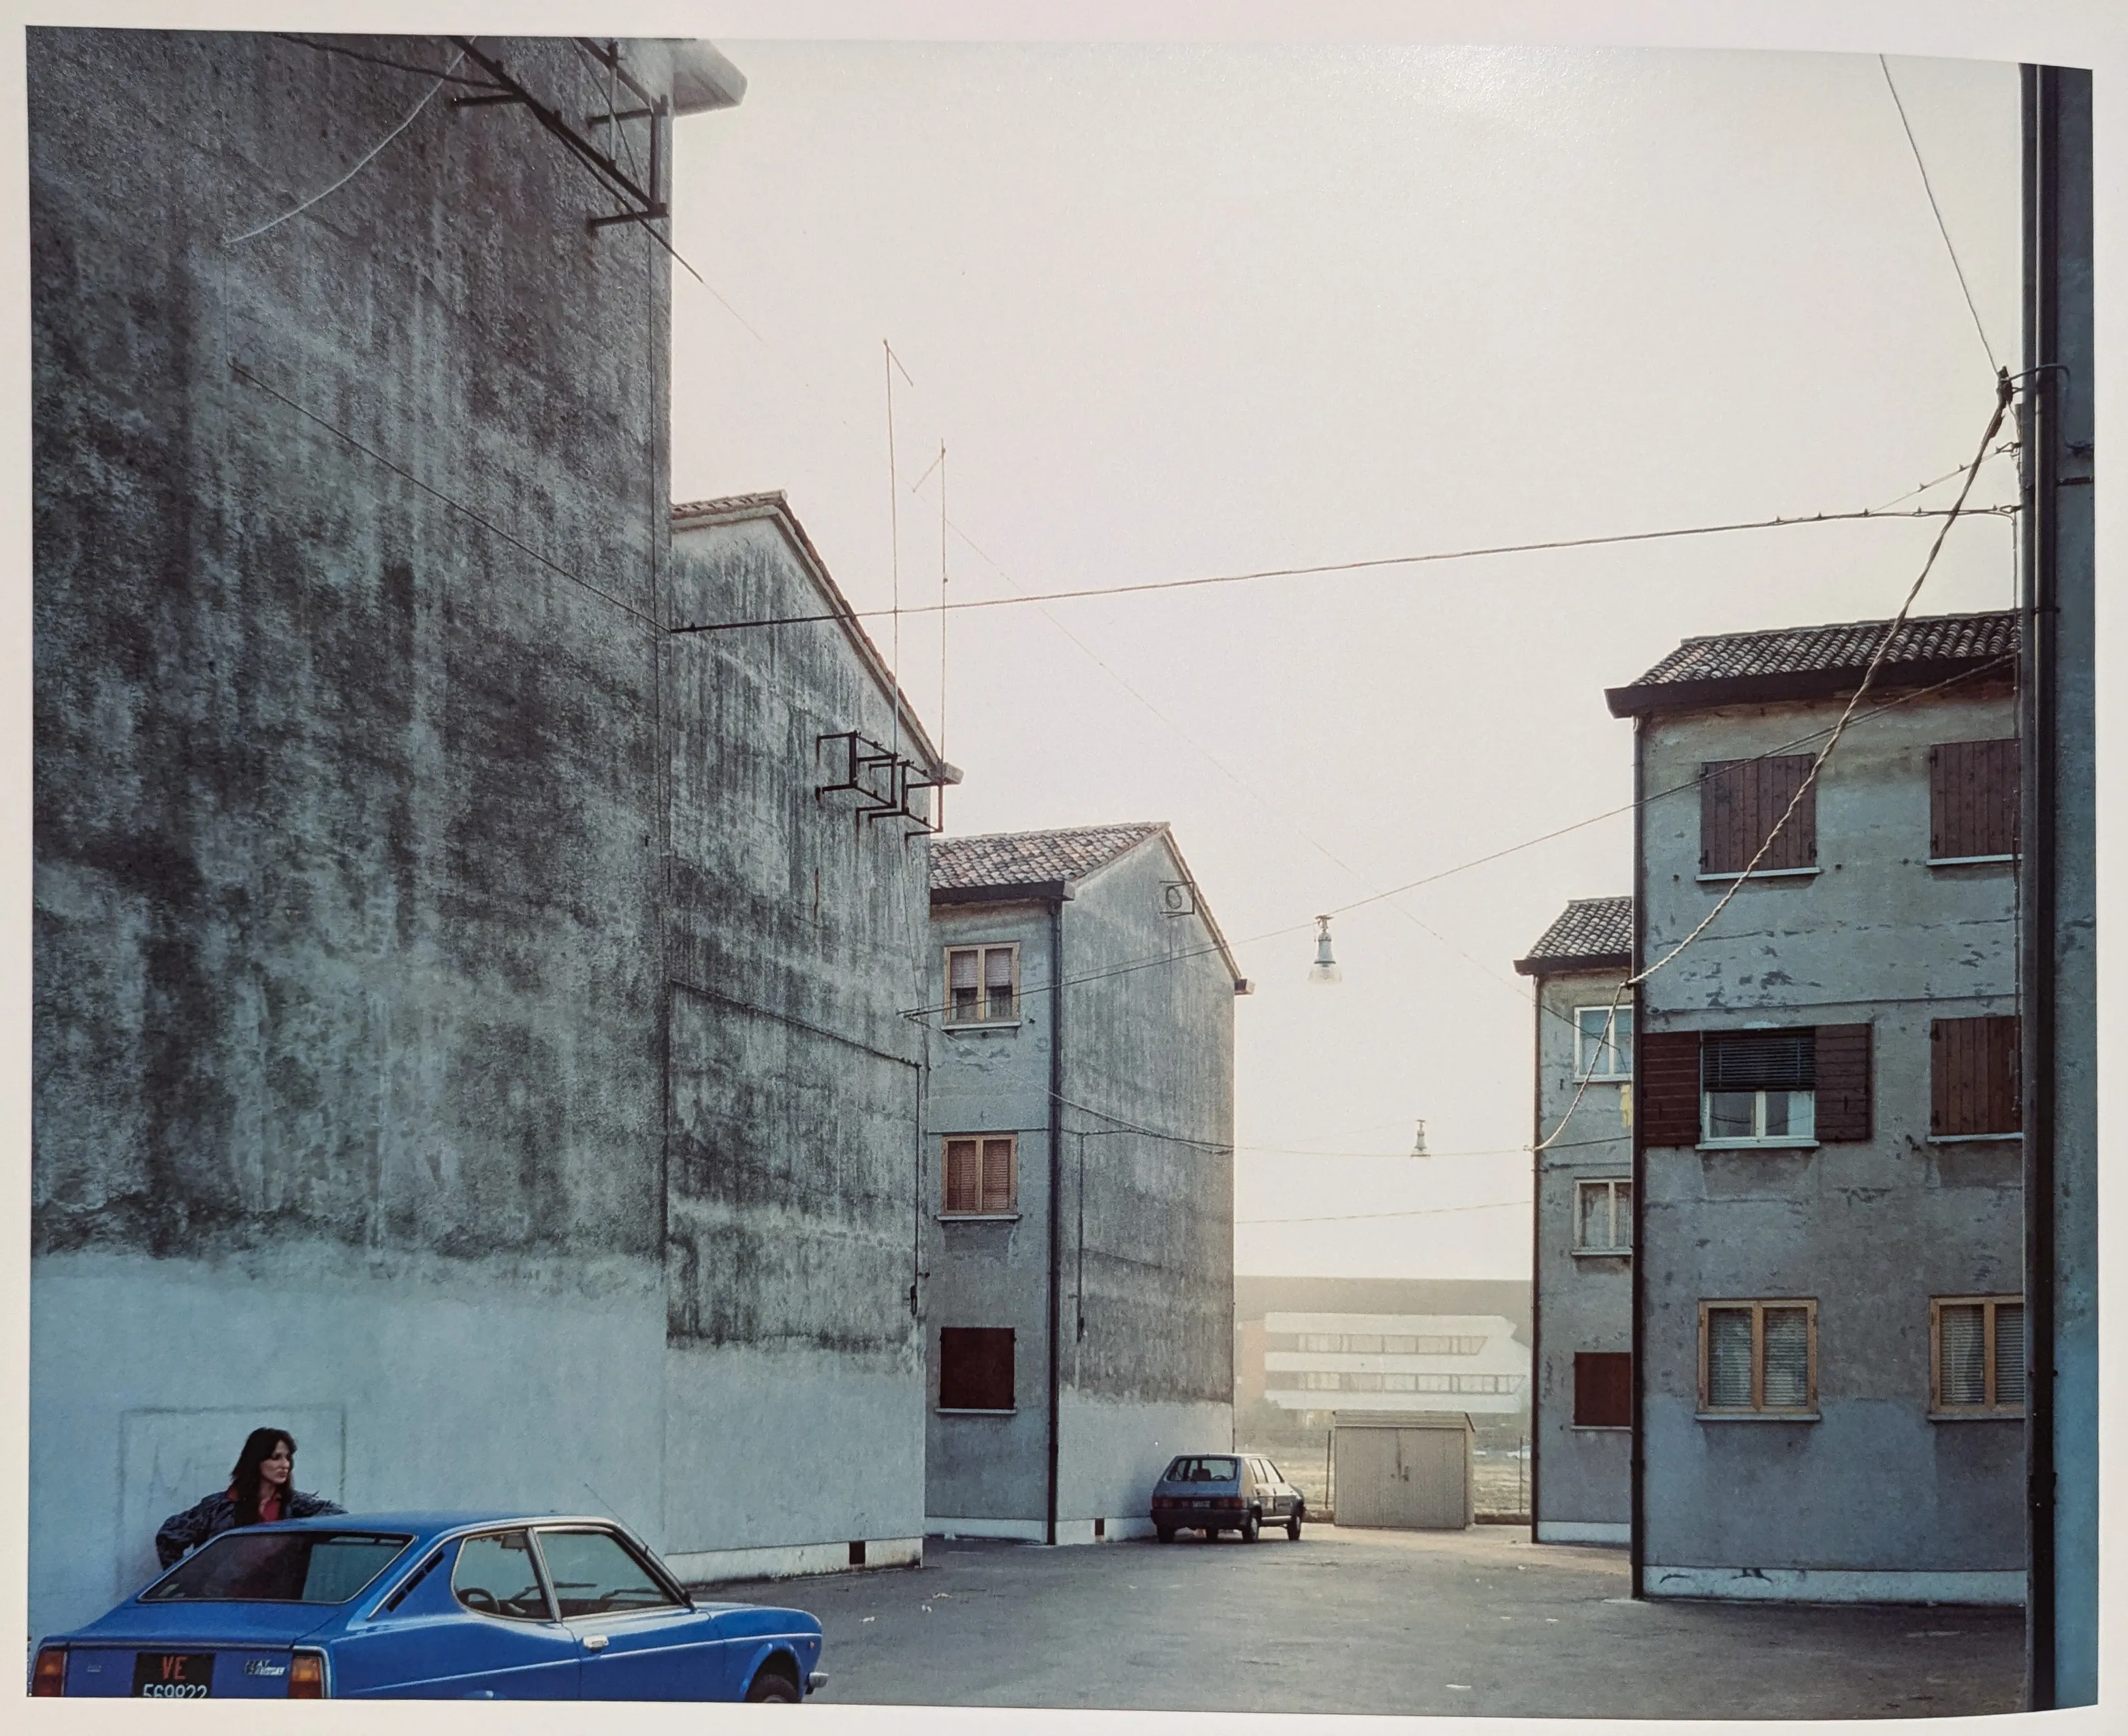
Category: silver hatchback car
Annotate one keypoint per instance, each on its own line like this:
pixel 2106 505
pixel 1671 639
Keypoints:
pixel 1214 1492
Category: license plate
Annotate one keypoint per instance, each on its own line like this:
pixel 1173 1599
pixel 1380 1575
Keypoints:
pixel 172 1675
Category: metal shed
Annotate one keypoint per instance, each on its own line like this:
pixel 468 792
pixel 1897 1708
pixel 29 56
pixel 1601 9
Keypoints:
pixel 1404 1470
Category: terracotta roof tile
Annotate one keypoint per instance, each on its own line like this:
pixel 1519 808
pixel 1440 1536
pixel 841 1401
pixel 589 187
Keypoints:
pixel 1588 928
pixel 1025 858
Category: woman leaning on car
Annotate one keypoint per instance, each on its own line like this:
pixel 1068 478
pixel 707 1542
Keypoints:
pixel 261 1490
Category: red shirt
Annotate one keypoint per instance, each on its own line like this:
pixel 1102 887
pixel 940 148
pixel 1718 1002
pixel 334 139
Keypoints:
pixel 269 1507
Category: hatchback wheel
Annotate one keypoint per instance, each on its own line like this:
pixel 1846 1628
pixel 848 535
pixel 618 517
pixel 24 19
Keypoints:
pixel 1293 1525
pixel 1250 1528
pixel 1165 1533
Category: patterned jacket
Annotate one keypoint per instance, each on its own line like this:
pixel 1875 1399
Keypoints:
pixel 217 1513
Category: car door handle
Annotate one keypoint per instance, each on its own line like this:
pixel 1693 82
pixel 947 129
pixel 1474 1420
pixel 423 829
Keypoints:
pixel 595 1642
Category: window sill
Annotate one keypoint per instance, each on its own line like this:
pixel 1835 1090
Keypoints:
pixel 978 1218
pixel 970 1411
pixel 1599 1428
pixel 979 1024
pixel 1757 1417
pixel 1966 861
pixel 1603 1079
pixel 1601 1253
pixel 1760 874
pixel 1757 1144
pixel 2004 1415
pixel 1967 1138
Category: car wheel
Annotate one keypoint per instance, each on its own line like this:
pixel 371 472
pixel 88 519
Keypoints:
pixel 1165 1533
pixel 1250 1528
pixel 772 1686
pixel 1293 1525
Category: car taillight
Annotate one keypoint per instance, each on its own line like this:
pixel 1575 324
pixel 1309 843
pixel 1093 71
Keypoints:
pixel 1163 1500
pixel 307 1675
pixel 1229 1501
pixel 49 1680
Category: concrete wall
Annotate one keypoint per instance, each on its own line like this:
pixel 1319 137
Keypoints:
pixel 1146 1234
pixel 1873 1499
pixel 1584 1302
pixel 352 798
pixel 795 1374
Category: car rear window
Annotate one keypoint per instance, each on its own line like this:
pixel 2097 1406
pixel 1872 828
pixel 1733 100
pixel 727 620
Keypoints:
pixel 1203 1470
pixel 279 1566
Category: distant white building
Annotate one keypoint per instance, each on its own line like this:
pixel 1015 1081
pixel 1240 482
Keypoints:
pixel 1395 1362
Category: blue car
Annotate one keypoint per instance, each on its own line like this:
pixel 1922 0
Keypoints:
pixel 427 1606
pixel 1212 1493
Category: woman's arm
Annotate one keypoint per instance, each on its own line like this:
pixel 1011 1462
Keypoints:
pixel 310 1506
pixel 183 1531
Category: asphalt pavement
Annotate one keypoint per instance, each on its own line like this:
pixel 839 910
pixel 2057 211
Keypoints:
pixel 1474 1622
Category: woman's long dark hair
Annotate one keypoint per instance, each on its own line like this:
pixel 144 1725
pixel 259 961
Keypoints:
pixel 244 1480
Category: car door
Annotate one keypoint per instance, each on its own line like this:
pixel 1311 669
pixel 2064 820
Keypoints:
pixel 640 1637
pixel 478 1625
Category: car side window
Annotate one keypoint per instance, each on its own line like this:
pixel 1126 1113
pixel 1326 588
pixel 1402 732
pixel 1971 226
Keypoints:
pixel 495 1576
pixel 594 1573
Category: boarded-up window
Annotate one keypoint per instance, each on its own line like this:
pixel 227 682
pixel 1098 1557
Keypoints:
pixel 982 1174
pixel 1603 1389
pixel 982 985
pixel 975 1369
pixel 1667 1088
pixel 1979 1355
pixel 1973 1077
pixel 1740 803
pixel 1973 801
pixel 1759 1357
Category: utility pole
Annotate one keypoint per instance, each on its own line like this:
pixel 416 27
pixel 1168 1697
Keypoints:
pixel 2057 972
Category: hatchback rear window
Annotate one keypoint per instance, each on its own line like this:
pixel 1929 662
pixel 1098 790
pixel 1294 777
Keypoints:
pixel 279 1566
pixel 1203 1470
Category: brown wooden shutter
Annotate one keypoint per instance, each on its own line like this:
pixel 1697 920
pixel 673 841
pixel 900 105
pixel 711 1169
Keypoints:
pixel 1843 1108
pixel 1667 1088
pixel 963 1190
pixel 1973 1082
pixel 1973 798
pixel 975 1369
pixel 997 1175
pixel 1603 1389
pixel 1741 801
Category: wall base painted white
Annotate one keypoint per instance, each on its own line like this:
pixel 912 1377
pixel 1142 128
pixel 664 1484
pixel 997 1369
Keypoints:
pixel 1583 1530
pixel 1834 1585
pixel 792 1561
pixel 1024 1531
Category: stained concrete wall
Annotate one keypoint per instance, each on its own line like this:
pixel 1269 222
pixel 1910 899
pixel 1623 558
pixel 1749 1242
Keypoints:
pixel 354 763
pixel 1584 1302
pixel 1147 1235
pixel 795 1374
pixel 1874 1499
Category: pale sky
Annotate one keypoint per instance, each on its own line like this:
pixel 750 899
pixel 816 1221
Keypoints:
pixel 1179 311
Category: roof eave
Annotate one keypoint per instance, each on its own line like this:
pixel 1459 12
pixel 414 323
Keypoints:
pixel 1013 892
pixel 1566 964
pixel 1647 698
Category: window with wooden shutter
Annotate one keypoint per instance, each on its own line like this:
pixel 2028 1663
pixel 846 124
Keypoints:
pixel 1758 1358
pixel 1603 1389
pixel 1667 1088
pixel 1972 802
pixel 1844 1110
pixel 1977 1350
pixel 1973 1079
pixel 982 985
pixel 1759 1087
pixel 982 1175
pixel 975 1369
pixel 1740 803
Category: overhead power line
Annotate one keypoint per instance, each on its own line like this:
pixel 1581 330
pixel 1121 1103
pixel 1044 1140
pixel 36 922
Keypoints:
pixel 1942 228
pixel 1323 567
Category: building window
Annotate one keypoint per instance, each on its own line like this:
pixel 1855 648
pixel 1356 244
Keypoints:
pixel 1603 1389
pixel 1603 1216
pixel 1974 1078
pixel 1979 1349
pixel 1972 802
pixel 1741 802
pixel 1604 1042
pixel 1758 1358
pixel 982 985
pixel 975 1369
pixel 982 1175
pixel 1758 1088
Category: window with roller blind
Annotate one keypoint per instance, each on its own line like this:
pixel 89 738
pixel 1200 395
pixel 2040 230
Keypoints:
pixel 982 985
pixel 981 1175
pixel 1758 1358
pixel 1976 1346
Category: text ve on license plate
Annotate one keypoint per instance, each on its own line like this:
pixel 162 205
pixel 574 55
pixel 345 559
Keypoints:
pixel 172 1675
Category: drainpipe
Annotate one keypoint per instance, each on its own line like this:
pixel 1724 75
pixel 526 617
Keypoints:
pixel 1536 1259
pixel 1637 1484
pixel 1056 1193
